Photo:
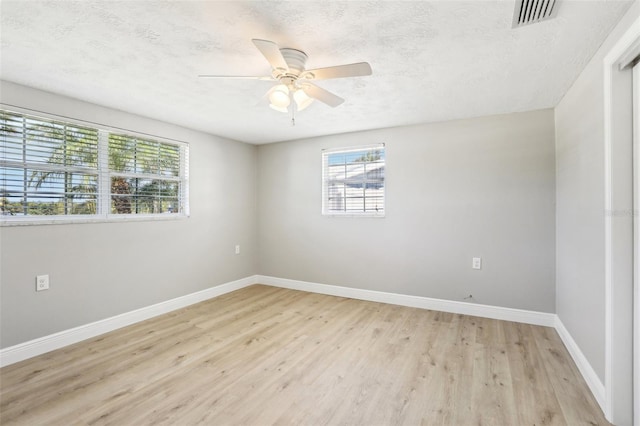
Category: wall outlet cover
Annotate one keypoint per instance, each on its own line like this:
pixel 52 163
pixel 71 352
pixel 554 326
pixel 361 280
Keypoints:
pixel 477 263
pixel 42 282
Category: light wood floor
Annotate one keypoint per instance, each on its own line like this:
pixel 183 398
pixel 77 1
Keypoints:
pixel 263 355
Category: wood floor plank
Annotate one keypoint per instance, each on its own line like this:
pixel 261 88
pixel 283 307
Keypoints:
pixel 265 355
pixel 529 378
pixel 565 379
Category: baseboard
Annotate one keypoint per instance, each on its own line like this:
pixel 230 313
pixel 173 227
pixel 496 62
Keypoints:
pixel 589 374
pixel 45 344
pixel 486 311
pixel 51 342
pixel 495 312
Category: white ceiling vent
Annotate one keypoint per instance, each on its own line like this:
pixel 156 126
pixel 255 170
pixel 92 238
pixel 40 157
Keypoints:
pixel 532 11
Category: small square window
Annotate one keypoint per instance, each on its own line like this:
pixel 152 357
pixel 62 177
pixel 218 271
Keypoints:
pixel 353 181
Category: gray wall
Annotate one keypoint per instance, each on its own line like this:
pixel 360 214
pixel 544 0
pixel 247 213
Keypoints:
pixel 479 187
pixel 104 269
pixel 580 280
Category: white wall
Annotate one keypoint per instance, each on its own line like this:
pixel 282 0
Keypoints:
pixel 455 190
pixel 580 280
pixel 101 270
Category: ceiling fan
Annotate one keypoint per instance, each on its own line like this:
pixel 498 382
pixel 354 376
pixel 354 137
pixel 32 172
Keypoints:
pixel 294 81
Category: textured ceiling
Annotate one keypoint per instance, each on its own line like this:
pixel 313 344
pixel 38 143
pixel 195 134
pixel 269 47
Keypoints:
pixel 431 60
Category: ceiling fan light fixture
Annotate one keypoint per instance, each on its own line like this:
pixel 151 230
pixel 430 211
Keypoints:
pixel 280 109
pixel 302 99
pixel 279 97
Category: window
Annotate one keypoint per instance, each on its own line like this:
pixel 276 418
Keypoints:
pixel 56 170
pixel 353 181
pixel 144 175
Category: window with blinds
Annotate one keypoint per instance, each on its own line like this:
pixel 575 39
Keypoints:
pixel 145 175
pixel 53 169
pixel 353 181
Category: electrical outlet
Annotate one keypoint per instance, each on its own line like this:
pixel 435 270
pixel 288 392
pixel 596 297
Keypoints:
pixel 42 282
pixel 237 248
pixel 477 263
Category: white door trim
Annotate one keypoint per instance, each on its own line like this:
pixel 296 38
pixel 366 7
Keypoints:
pixel 636 244
pixel 611 62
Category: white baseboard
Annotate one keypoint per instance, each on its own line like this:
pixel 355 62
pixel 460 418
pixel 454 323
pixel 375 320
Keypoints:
pixel 45 344
pixel 51 342
pixel 495 312
pixel 589 374
pixel 486 311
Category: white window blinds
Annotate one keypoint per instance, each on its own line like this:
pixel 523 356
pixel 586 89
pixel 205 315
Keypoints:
pixel 353 181
pixel 48 167
pixel 145 175
pixel 53 168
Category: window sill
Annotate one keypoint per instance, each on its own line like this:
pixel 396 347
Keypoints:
pixel 66 220
pixel 356 215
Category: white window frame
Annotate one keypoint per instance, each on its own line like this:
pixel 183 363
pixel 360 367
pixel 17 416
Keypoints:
pixel 338 150
pixel 103 201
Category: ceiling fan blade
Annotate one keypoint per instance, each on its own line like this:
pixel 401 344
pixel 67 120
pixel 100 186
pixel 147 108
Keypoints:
pixel 339 71
pixel 238 77
pixel 272 53
pixel 322 95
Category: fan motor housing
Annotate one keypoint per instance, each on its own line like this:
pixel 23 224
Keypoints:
pixel 295 59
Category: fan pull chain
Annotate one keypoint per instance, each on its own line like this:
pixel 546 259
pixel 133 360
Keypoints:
pixel 293 114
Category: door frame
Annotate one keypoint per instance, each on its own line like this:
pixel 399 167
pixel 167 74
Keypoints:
pixel 619 240
pixel 636 244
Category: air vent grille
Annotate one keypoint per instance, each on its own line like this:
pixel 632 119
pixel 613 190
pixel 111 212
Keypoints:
pixel 532 11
